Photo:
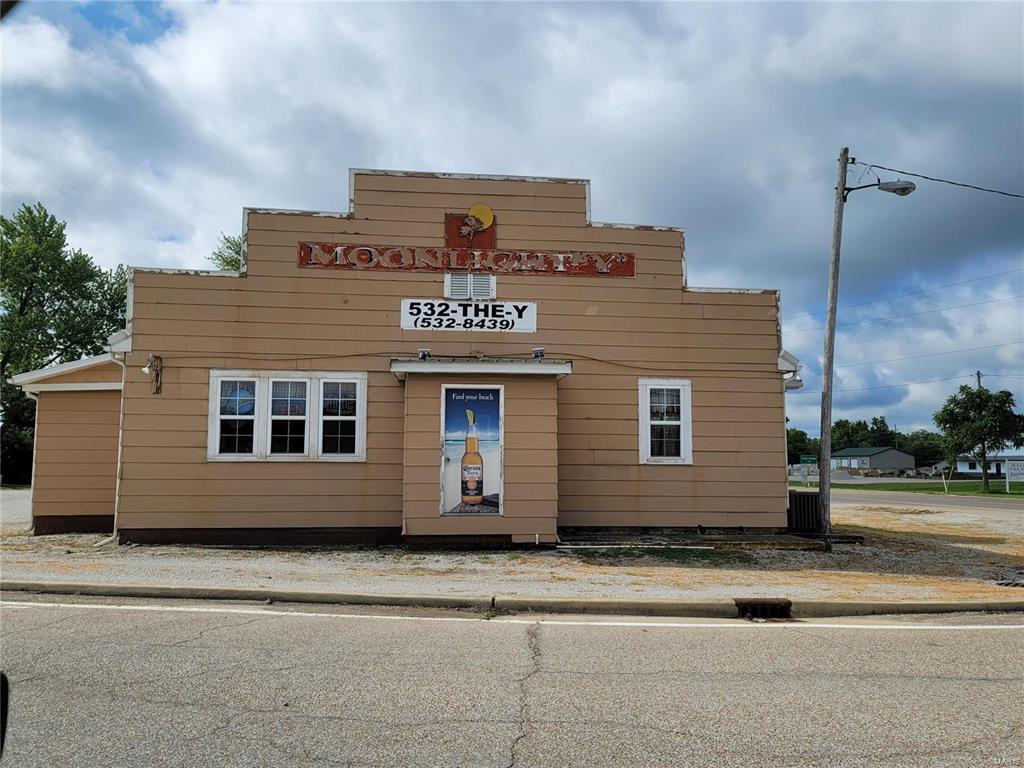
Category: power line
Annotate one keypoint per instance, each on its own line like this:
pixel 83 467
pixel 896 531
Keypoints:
pixel 913 293
pixel 943 181
pixel 930 354
pixel 910 383
pixel 890 386
pixel 909 314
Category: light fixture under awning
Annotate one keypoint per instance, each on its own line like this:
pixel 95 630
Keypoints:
pixel 403 367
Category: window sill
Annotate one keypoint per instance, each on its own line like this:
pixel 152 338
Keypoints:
pixel 288 459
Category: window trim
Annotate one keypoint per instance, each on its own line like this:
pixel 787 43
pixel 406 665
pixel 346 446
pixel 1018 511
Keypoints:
pixel 261 430
pixel 685 387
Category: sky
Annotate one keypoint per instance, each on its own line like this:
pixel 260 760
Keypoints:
pixel 148 127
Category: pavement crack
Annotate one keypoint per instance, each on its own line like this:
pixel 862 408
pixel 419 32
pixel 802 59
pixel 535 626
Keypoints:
pixel 960 747
pixel 202 632
pixel 16 632
pixel 533 642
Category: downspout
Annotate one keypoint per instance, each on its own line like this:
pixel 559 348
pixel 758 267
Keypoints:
pixel 120 360
pixel 35 442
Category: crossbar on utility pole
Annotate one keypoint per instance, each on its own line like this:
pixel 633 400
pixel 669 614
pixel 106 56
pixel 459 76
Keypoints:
pixel 825 459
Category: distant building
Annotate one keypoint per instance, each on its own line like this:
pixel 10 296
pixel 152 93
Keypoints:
pixel 968 465
pixel 883 459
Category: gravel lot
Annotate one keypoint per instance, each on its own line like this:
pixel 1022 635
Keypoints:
pixel 15 509
pixel 911 553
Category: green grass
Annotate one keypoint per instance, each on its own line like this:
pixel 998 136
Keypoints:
pixel 680 555
pixel 957 488
pixel 15 487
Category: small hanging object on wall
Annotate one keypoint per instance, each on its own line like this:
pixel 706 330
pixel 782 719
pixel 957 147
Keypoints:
pixel 155 366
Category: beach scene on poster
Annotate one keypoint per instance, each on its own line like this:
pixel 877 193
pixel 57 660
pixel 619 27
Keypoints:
pixel 471 462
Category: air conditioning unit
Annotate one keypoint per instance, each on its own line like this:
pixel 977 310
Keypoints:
pixel 466 286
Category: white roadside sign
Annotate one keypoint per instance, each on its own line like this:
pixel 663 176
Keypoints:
pixel 441 315
pixel 1014 473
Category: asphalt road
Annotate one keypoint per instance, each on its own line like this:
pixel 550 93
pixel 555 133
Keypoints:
pixel 138 683
pixel 929 500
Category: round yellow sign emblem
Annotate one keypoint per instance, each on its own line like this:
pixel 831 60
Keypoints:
pixel 482 213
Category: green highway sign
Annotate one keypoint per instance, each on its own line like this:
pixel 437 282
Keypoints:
pixel 808 459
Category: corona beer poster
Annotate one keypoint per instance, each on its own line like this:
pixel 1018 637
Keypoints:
pixel 471 464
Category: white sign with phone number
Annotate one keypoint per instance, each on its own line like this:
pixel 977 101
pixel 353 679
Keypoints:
pixel 1014 473
pixel 435 315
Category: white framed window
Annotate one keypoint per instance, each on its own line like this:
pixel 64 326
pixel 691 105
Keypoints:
pixel 342 409
pixel 469 286
pixel 288 434
pixel 666 422
pixel 233 400
pixel 283 416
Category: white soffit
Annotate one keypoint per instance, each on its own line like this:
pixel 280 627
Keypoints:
pixel 789 363
pixel 120 341
pixel 478 367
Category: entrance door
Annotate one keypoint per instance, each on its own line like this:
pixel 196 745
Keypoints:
pixel 472 449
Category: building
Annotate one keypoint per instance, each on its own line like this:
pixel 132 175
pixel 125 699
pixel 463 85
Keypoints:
pixel 456 356
pixel 967 465
pixel 882 459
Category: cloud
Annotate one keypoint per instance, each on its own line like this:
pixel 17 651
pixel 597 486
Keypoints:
pixel 970 44
pixel 725 119
pixel 38 54
pixel 934 342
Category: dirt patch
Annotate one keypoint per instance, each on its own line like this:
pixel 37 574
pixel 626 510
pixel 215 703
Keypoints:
pixel 914 553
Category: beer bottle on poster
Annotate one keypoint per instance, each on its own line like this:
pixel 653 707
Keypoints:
pixel 472 464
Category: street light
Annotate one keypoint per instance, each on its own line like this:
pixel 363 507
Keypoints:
pixel 901 188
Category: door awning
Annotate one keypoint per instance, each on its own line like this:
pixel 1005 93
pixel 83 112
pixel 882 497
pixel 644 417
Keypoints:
pixel 401 367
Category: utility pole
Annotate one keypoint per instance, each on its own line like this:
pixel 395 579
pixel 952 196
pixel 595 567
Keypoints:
pixel 984 450
pixel 825 458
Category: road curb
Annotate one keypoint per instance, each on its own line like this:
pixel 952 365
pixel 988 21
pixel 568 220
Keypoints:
pixel 239 593
pixel 715 609
pixel 719 609
pixel 817 609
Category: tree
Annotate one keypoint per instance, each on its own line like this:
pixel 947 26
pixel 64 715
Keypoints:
pixel 926 447
pixel 228 253
pixel 977 422
pixel 880 434
pixel 56 306
pixel 814 447
pixel 796 445
pixel 850 434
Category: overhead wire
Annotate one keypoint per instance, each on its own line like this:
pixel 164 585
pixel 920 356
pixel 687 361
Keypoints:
pixel 889 386
pixel 911 383
pixel 929 354
pixel 941 181
pixel 912 293
pixel 907 314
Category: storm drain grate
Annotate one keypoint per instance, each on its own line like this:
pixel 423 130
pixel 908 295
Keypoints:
pixel 1017 582
pixel 764 607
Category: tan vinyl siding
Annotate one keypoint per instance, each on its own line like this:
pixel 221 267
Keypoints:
pixel 615 330
pixel 530 486
pixel 76 452
pixel 104 373
pixel 165 447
